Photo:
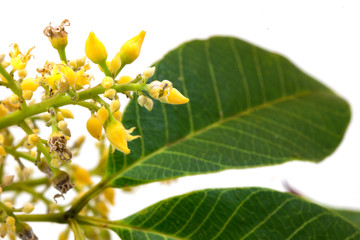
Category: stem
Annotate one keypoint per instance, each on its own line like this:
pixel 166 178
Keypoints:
pixel 11 82
pixel 62 100
pixel 17 154
pixel 13 86
pixel 81 202
pixel 105 68
pixel 53 119
pixel 75 227
pixel 98 222
pixel 49 217
pixel 119 70
pixel 62 55
pixel 28 183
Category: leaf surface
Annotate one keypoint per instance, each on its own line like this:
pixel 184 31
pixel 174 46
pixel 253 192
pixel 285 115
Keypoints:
pixel 247 213
pixel 248 108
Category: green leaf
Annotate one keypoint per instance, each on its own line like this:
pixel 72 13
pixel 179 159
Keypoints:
pixel 248 108
pixel 352 216
pixel 248 213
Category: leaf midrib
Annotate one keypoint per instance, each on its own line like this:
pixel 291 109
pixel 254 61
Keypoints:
pixel 194 133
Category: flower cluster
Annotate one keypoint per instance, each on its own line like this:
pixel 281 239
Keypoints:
pixel 68 82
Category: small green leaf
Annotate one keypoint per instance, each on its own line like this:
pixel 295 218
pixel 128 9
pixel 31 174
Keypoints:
pixel 248 108
pixel 248 213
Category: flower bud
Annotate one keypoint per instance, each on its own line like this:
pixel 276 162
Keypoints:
pixel 28 208
pixel 62 125
pixel 61 181
pixel 148 73
pixel 109 195
pixel 117 115
pixel 110 93
pixel 55 162
pixel 81 175
pixel 10 221
pixel 27 94
pixel 14 99
pixel 94 127
pixel 124 79
pixel 115 63
pixel 116 134
pixel 80 62
pixel 131 49
pixel 115 105
pixel 29 84
pixel 149 104
pixel 107 82
pixel 7 180
pixel 102 114
pixel 95 49
pixel 164 92
pixel 22 73
pixel 102 208
pixel 45 168
pixel 3 110
pixel 33 139
pixel 2 151
pixel 175 97
pixel 66 113
pixel 3 230
pixel 25 232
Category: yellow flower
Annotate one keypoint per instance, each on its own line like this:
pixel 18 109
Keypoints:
pixel 109 195
pixel 3 110
pixel 102 115
pixel 2 151
pixel 57 36
pixel 110 93
pixel 83 78
pixel 81 175
pixel 164 92
pixel 29 84
pixel 117 135
pixel 18 60
pixel 131 49
pixel 117 115
pixel 115 105
pixel 66 113
pixel 68 74
pixel 95 49
pixel 107 82
pixel 175 97
pixel 124 79
pixel 115 63
pixel 94 127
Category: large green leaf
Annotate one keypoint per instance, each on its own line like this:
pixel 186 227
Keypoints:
pixel 248 107
pixel 229 214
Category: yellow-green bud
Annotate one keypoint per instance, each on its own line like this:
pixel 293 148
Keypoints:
pixel 28 208
pixel 95 49
pixel 110 93
pixel 14 99
pixel 29 84
pixel 27 94
pixel 107 82
pixel 102 115
pixel 94 127
pixel 148 73
pixel 131 49
pixel 115 105
pixel 62 125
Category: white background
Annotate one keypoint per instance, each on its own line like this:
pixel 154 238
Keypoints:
pixel 321 37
